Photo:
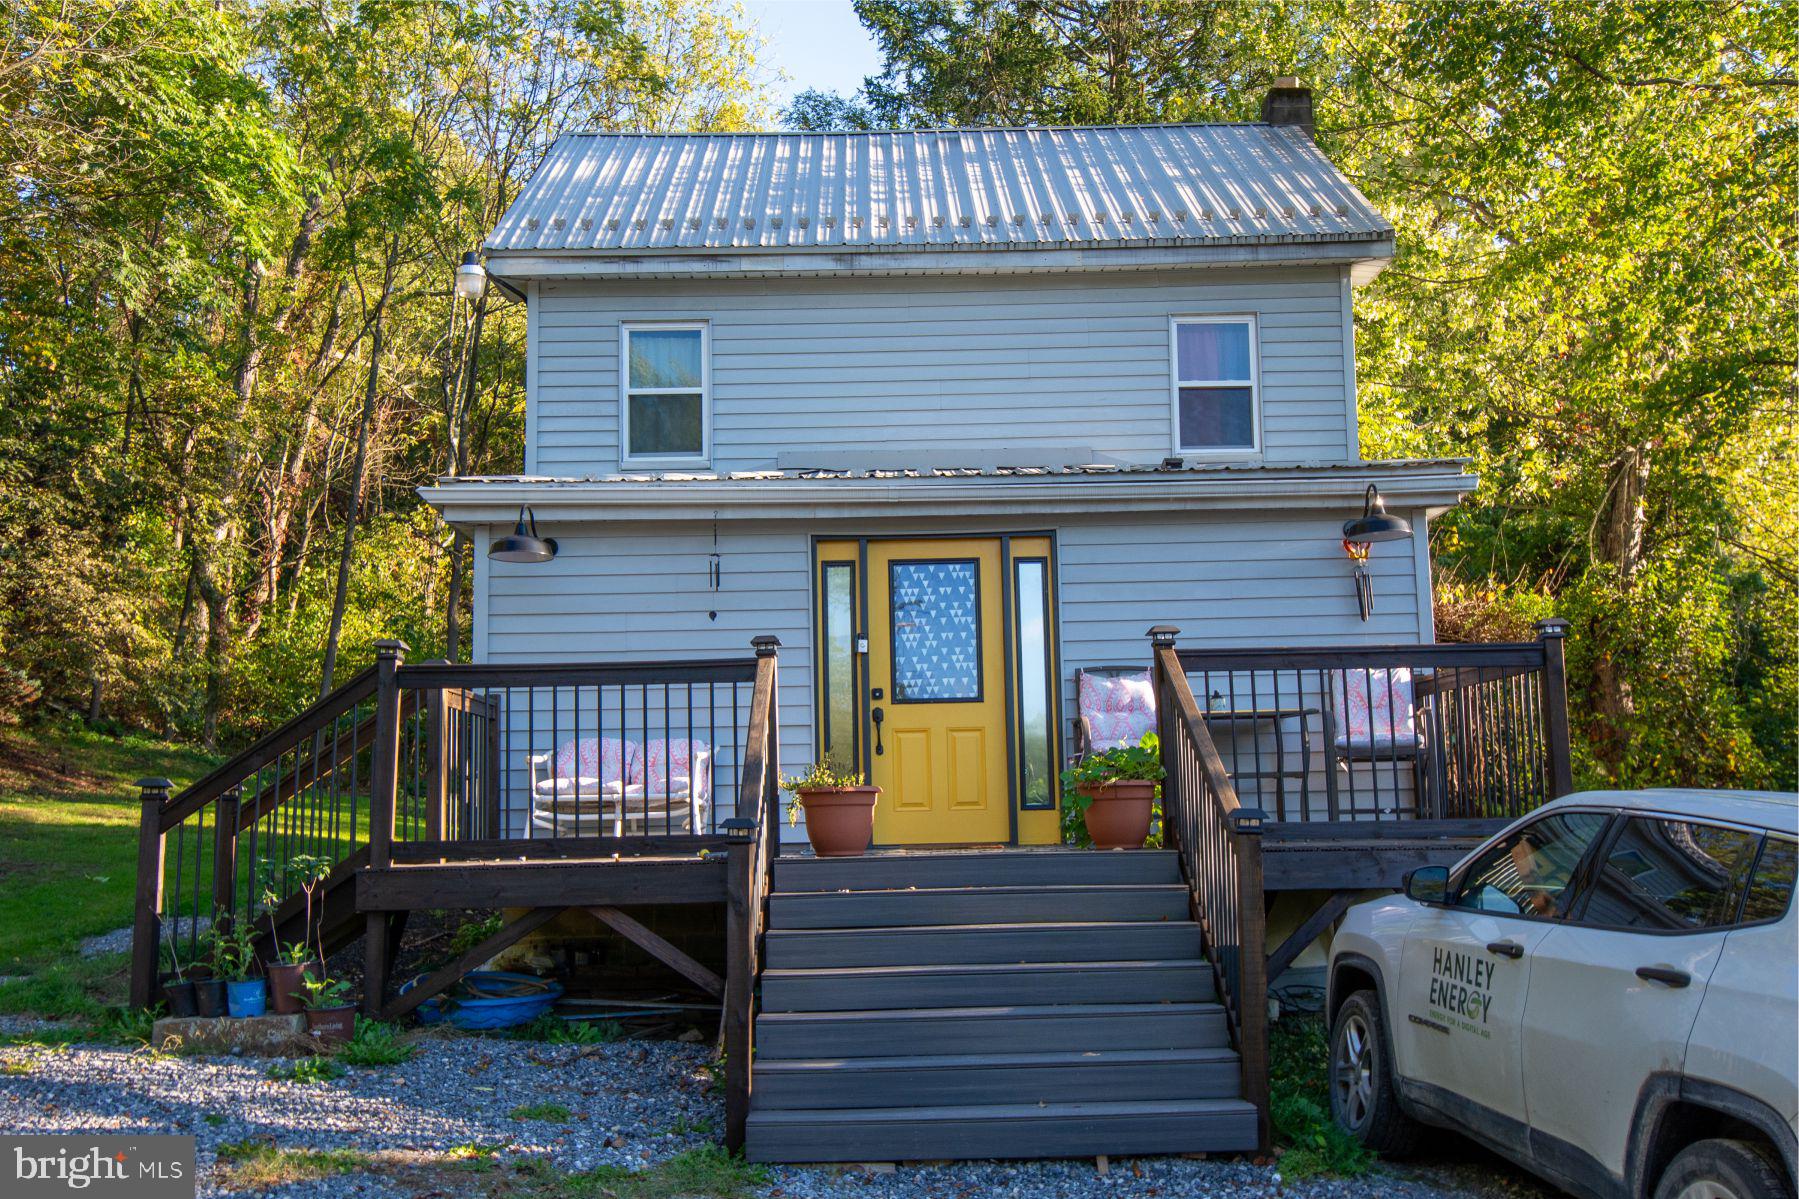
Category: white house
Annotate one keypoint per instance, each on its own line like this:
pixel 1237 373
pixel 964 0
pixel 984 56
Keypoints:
pixel 954 413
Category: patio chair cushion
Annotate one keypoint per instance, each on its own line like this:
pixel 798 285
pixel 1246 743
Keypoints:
pixel 1118 708
pixel 675 768
pixel 591 767
pixel 1378 715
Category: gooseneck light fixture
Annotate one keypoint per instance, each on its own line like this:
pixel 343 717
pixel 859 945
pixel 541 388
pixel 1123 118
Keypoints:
pixel 523 544
pixel 1359 535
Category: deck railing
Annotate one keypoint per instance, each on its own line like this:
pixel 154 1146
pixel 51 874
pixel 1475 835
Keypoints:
pixel 1218 841
pixel 435 761
pixel 755 841
pixel 1389 733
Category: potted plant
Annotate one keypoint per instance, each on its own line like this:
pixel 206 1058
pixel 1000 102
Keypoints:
pixel 293 963
pixel 244 993
pixel 330 1016
pixel 1114 792
pixel 209 987
pixel 177 987
pixel 839 806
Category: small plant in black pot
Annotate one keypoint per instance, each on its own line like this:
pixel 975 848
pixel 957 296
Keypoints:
pixel 177 987
pixel 210 995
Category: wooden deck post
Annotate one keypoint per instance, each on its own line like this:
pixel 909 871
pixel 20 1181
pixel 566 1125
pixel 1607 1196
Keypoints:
pixel 740 984
pixel 146 931
pixel 224 852
pixel 1551 634
pixel 1252 967
pixel 384 790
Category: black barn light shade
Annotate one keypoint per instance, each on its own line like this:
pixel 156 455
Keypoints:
pixel 1375 523
pixel 523 544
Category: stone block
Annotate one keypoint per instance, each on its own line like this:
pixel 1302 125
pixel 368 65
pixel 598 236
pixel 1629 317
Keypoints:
pixel 275 1036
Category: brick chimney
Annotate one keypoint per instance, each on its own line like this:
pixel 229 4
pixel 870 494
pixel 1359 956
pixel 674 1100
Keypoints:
pixel 1288 103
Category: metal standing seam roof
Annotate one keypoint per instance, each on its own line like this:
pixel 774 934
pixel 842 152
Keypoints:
pixel 935 189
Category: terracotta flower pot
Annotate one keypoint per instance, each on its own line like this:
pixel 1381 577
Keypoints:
pixel 840 821
pixel 1119 816
pixel 284 983
pixel 332 1023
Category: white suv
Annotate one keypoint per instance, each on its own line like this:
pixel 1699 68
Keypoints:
pixel 1605 993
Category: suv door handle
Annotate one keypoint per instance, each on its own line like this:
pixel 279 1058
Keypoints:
pixel 1506 949
pixel 1661 974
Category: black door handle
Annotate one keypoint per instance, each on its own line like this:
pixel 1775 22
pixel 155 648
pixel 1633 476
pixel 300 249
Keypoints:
pixel 877 716
pixel 1506 949
pixel 1661 974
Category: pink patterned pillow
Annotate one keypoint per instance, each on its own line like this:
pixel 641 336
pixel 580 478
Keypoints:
pixel 676 767
pixel 1377 711
pixel 1103 693
pixel 1113 729
pixel 603 760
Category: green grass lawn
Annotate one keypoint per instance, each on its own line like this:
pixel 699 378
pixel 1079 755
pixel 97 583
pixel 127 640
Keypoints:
pixel 68 859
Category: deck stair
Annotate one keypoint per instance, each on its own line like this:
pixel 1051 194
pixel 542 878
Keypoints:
pixel 988 1005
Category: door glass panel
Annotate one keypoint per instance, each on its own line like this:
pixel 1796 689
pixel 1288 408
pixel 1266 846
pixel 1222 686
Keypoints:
pixel 839 597
pixel 1036 727
pixel 1528 873
pixel 1671 876
pixel 936 631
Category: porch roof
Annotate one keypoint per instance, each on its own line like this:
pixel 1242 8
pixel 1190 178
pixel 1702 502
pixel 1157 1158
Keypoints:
pixel 1424 483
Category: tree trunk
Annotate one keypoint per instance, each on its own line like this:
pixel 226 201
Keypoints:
pixel 369 395
pixel 1618 542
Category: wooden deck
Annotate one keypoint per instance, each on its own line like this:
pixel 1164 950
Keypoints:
pixel 438 787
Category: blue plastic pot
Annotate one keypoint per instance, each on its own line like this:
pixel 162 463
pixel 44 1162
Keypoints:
pixel 247 998
pixel 478 1012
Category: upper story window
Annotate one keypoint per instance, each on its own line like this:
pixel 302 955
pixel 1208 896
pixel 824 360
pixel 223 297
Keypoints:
pixel 1216 405
pixel 665 408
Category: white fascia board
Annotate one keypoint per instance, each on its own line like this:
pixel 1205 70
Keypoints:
pixel 493 502
pixel 1363 256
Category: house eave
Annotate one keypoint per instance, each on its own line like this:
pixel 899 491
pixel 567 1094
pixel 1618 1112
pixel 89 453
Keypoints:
pixel 1364 256
pixel 1422 486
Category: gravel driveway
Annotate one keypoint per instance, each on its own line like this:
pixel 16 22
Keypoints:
pixel 629 1104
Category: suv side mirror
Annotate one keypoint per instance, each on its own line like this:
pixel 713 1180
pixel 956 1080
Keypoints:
pixel 1428 884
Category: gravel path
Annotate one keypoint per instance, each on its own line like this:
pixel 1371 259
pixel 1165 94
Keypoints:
pixel 631 1104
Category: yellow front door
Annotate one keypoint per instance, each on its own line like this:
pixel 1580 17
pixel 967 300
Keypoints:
pixel 937 693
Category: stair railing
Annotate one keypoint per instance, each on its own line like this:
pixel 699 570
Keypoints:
pixel 1218 842
pixel 269 817
pixel 755 841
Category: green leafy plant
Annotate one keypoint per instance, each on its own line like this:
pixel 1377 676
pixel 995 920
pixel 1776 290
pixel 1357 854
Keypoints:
pixel 307 1070
pixel 375 1043
pixel 234 949
pixel 554 1030
pixel 312 872
pixel 1299 1105
pixel 1142 762
pixel 316 993
pixel 826 774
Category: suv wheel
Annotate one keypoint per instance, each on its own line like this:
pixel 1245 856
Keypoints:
pixel 1721 1170
pixel 1364 1101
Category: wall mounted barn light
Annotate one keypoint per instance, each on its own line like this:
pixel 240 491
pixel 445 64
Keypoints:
pixel 1359 535
pixel 471 277
pixel 523 544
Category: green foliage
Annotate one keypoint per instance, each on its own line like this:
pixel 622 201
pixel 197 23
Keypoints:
pixel 258 1165
pixel 375 1043
pixel 1299 1103
pixel 554 1030
pixel 306 1071
pixel 234 948
pixel 553 1113
pixel 707 1172
pixel 826 774
pixel 316 993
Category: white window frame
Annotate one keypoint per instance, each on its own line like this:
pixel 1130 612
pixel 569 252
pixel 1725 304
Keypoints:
pixel 626 391
pixel 1254 383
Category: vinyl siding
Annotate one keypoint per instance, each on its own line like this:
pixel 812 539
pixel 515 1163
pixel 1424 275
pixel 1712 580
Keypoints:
pixel 940 365
pixel 642 593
